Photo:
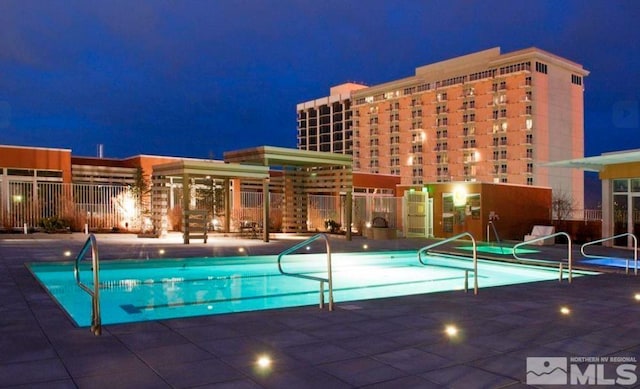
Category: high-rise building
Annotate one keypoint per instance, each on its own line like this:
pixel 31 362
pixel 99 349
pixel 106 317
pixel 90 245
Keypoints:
pixel 485 117
pixel 325 124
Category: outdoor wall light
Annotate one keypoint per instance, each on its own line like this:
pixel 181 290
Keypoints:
pixel 565 310
pixel 241 249
pixel 459 196
pixel 161 251
pixel 67 253
pixel 364 246
pixel 637 296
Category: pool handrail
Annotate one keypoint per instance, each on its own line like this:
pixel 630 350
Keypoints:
pixel 495 233
pixel 328 280
pixel 541 238
pixel 425 249
pixel 635 250
pixel 96 321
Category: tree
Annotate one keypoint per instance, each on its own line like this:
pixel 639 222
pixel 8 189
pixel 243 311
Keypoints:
pixel 141 189
pixel 562 205
pixel 211 197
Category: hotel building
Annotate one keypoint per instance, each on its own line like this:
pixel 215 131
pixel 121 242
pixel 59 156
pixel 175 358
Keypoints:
pixel 482 117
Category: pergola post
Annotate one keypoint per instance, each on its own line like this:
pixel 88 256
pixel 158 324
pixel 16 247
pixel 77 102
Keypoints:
pixel 265 210
pixel 348 210
pixel 227 206
pixel 186 204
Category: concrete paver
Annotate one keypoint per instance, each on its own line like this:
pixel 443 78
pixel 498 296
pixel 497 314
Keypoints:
pixel 383 343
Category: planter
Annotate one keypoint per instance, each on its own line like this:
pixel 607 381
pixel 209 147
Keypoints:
pixel 383 233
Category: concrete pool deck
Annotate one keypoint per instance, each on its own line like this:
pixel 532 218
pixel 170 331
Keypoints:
pixel 396 342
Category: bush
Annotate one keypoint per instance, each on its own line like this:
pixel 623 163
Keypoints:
pixel 54 224
pixel 332 226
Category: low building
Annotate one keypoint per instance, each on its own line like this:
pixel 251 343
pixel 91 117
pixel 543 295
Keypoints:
pixel 619 173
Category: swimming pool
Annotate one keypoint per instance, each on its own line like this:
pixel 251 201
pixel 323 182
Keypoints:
pixel 134 290
pixel 501 250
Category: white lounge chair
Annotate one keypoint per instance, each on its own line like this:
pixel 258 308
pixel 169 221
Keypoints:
pixel 540 231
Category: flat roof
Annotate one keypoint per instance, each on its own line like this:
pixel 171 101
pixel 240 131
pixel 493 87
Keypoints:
pixel 281 156
pixel 211 168
pixel 598 163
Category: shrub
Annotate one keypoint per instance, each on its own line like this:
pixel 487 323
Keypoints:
pixel 54 224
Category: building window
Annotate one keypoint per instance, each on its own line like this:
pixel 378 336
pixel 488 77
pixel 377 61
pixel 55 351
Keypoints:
pixel 528 110
pixel 541 67
pixel 527 81
pixel 503 113
pixel 503 154
pixel 503 168
pixel 529 138
pixel 529 167
pixel 529 180
pixel 576 79
pixel 529 153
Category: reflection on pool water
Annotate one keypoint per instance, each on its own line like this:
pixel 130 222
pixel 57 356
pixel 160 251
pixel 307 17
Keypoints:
pixel 133 290
pixel 502 250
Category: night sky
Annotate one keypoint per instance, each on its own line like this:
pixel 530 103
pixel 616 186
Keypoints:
pixel 197 78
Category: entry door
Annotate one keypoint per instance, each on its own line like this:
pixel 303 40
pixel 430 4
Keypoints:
pixel 620 218
pixel 418 214
pixel 634 221
pixel 626 218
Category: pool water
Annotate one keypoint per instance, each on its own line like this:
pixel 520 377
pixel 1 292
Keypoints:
pixel 504 250
pixel 614 262
pixel 134 291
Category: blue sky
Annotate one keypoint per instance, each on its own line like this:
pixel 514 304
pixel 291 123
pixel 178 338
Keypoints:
pixel 197 78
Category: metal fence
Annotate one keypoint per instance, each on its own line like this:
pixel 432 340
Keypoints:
pixel 251 207
pixel 100 207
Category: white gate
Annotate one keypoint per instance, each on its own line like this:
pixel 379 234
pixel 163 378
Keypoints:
pixel 418 214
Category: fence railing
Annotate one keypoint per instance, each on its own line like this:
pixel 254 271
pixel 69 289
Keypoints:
pixel 72 205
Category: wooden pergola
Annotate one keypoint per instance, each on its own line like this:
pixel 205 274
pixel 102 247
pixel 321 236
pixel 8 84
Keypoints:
pixel 188 170
pixel 303 172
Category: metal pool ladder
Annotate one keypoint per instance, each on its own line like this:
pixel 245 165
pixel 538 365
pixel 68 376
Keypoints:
pixel 96 322
pixel 466 271
pixel 540 238
pixel 329 278
pixel 635 250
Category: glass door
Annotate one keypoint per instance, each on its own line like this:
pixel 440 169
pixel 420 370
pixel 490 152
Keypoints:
pixel 635 215
pixel 620 218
